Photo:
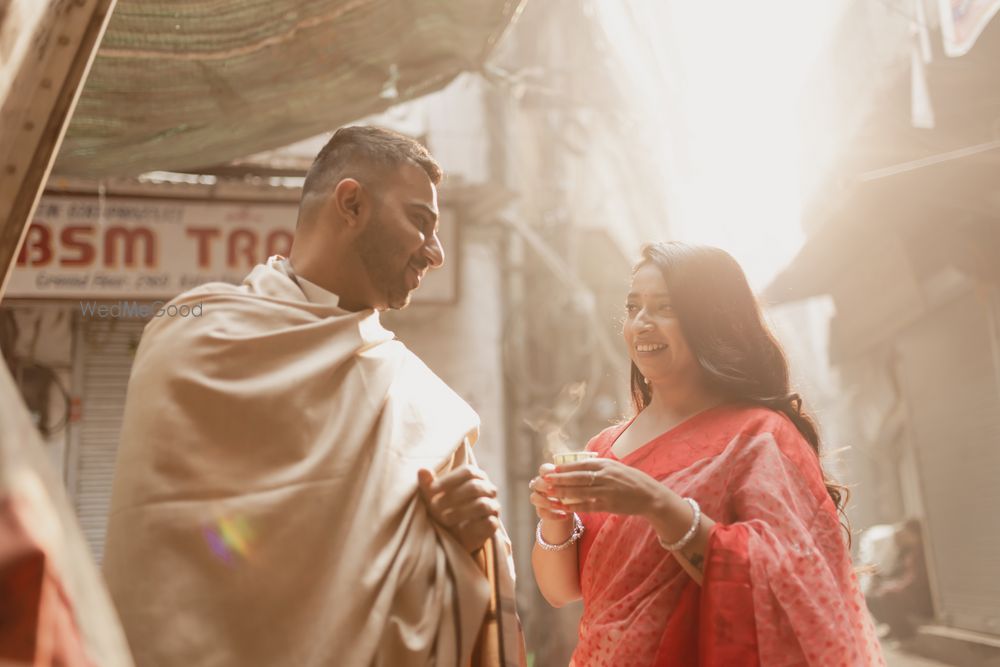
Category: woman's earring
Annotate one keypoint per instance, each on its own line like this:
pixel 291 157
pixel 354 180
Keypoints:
pixel 646 380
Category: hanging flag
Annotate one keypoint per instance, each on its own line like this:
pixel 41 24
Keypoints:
pixel 962 21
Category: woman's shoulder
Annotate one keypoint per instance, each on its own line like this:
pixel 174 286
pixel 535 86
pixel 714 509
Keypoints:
pixel 602 441
pixel 766 429
pixel 755 417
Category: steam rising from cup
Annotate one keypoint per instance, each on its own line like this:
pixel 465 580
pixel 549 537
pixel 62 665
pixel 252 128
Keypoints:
pixel 550 422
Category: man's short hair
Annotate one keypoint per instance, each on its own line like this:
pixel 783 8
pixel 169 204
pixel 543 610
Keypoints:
pixel 365 152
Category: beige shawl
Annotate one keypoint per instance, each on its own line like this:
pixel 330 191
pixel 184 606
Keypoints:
pixel 265 508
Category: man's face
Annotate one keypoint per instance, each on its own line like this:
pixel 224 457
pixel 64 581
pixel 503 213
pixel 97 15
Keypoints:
pixel 400 243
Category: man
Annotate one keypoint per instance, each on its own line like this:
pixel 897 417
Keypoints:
pixel 294 487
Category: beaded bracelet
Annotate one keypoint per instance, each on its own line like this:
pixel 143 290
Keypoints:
pixel 573 537
pixel 689 535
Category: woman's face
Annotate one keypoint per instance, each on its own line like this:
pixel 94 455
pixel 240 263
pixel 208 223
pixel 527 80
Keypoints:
pixel 653 333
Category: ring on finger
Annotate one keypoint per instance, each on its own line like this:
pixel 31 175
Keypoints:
pixel 593 476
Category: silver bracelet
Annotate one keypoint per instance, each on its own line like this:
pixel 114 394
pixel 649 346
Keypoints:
pixel 688 536
pixel 573 537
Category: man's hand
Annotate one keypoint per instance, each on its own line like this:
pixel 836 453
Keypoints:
pixel 464 501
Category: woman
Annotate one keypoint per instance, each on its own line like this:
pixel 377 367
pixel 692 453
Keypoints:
pixel 704 532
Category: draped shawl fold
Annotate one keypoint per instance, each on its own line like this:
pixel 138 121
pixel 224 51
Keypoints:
pixel 265 507
pixel 778 587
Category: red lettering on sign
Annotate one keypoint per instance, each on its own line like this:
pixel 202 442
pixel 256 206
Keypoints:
pixel 242 242
pixel 131 239
pixel 279 242
pixel 70 239
pixel 204 236
pixel 37 248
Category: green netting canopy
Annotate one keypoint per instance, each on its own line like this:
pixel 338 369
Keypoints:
pixel 180 84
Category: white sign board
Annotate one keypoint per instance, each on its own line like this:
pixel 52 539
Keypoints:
pixel 79 247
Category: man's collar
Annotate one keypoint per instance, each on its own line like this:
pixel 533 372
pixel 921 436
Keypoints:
pixel 313 292
pixel 317 294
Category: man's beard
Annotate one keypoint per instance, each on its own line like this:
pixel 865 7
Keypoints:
pixel 377 249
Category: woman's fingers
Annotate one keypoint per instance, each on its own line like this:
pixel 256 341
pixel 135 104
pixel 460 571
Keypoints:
pixel 540 485
pixel 574 479
pixel 547 505
pixel 545 469
pixel 546 501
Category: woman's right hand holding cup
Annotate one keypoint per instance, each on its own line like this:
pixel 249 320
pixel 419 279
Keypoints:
pixel 548 508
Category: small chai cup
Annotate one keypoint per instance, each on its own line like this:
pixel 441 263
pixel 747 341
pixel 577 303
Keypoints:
pixel 562 458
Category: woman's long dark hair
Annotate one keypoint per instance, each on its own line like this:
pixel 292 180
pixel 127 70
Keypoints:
pixel 724 328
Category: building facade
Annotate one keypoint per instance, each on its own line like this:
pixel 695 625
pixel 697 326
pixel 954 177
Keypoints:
pixel 903 240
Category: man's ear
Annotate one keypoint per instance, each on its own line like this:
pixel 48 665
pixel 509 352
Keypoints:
pixel 352 202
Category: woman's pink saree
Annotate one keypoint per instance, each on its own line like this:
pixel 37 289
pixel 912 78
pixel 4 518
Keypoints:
pixel 778 588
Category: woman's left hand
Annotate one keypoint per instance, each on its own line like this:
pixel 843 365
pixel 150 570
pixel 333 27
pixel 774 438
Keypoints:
pixel 605 485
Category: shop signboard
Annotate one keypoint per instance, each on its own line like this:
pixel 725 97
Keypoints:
pixel 153 249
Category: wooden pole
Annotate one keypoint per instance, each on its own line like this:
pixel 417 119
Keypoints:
pixel 46 49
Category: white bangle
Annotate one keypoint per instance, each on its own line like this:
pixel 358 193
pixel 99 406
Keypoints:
pixel 573 537
pixel 689 535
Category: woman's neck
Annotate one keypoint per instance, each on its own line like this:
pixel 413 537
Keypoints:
pixel 676 404
pixel 664 412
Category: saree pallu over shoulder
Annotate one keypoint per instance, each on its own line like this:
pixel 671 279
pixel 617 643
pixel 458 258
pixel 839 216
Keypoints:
pixel 265 507
pixel 778 586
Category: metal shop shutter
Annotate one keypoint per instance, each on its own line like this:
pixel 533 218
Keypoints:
pixel 105 349
pixel 949 373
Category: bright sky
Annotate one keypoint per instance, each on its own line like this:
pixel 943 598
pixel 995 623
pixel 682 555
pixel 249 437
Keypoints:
pixel 726 84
